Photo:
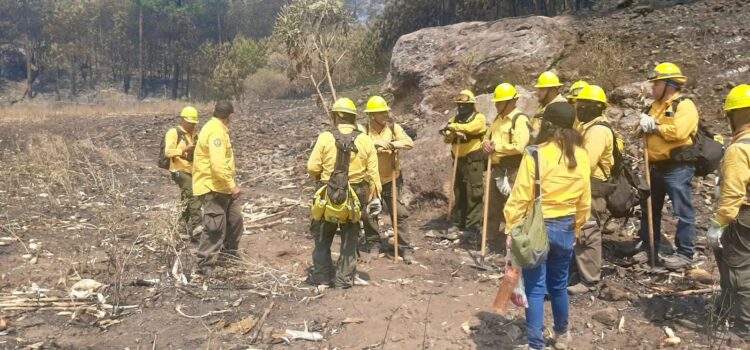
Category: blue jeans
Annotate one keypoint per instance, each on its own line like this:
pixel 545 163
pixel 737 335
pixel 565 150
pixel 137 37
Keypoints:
pixel 550 277
pixel 676 182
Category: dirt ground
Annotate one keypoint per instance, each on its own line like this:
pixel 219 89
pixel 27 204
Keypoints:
pixel 82 198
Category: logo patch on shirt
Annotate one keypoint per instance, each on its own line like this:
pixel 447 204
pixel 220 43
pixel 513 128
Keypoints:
pixel 217 143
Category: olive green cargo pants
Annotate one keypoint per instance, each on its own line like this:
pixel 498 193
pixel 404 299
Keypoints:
pixel 223 227
pixel 323 232
pixel 191 205
pixel 468 192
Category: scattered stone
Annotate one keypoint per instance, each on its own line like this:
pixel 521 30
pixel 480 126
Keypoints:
pixel 612 291
pixel 624 3
pixel 609 316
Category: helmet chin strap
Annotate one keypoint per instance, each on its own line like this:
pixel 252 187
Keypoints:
pixel 502 110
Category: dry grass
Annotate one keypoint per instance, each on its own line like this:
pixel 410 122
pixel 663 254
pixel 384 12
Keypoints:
pixel 54 111
pixel 595 57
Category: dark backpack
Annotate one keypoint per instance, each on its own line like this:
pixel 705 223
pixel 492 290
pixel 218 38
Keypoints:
pixel 625 189
pixel 337 187
pixel 705 152
pixel 163 161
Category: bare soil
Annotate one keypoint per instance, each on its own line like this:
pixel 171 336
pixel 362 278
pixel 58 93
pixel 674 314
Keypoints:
pixel 87 191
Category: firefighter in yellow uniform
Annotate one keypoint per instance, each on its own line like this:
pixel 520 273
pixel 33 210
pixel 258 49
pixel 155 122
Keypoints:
pixel 729 233
pixel 214 182
pixel 465 132
pixel 599 141
pixel 547 92
pixel 670 125
pixel 179 146
pixel 363 178
pixel 505 142
pixel 387 139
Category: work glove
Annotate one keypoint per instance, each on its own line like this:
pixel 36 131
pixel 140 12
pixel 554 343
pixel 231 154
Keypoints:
pixel 647 124
pixel 382 144
pixel 713 236
pixel 374 207
pixel 503 185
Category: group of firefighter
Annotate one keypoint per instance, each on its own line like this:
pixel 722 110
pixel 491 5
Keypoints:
pixel 575 156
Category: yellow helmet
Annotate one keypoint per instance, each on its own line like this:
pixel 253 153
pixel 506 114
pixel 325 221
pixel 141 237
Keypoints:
pixel 344 105
pixel 190 114
pixel 548 79
pixel 576 88
pixel 504 92
pixel 377 104
pixel 738 98
pixel 470 98
pixel 592 93
pixel 667 71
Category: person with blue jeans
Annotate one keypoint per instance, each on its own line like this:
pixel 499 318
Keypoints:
pixel 669 128
pixel 565 190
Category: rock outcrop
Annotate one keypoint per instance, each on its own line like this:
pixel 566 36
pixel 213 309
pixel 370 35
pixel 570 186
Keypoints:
pixel 430 66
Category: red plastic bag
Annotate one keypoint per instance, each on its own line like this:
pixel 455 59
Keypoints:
pixel 506 291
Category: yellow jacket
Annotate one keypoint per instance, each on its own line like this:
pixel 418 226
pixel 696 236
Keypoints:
pixel 474 128
pixel 363 165
pixel 500 132
pixel 536 122
pixel 675 129
pixel 401 141
pixel 564 191
pixel 213 162
pixel 174 146
pixel 735 179
pixel 599 144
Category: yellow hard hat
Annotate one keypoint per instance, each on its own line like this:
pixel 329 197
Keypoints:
pixel 504 92
pixel 344 105
pixel 667 71
pixel 470 98
pixel 576 88
pixel 377 104
pixel 738 98
pixel 548 79
pixel 190 114
pixel 592 93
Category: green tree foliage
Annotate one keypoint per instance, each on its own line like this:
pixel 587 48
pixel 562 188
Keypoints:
pixel 79 45
pixel 314 34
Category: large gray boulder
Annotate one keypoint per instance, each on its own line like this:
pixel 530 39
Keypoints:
pixel 429 66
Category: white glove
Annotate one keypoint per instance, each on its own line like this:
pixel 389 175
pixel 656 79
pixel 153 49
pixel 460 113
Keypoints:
pixel 503 185
pixel 647 123
pixel 374 207
pixel 713 236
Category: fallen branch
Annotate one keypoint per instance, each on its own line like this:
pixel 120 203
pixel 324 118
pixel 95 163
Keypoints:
pixel 269 216
pixel 690 292
pixel 266 225
pixel 259 325
pixel 178 308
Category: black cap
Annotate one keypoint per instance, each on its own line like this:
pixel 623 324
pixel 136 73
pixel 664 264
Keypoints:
pixel 223 109
pixel 561 114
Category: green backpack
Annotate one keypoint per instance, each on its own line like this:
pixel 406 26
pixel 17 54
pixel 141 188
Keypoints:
pixel 529 241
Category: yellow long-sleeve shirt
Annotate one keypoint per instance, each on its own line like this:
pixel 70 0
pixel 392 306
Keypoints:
pixel 174 149
pixel 509 143
pixel 599 144
pixel 735 179
pixel 536 122
pixel 564 191
pixel 474 128
pixel 399 141
pixel 363 165
pixel 213 162
pixel 675 129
